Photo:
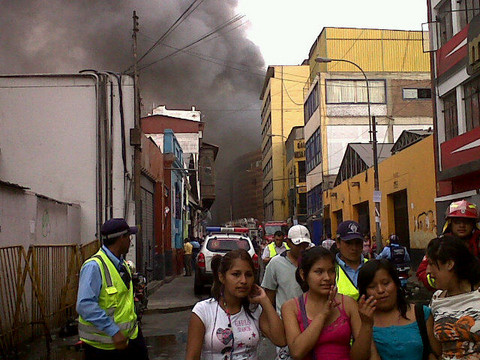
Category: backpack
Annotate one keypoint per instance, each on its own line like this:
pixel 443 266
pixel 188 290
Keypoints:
pixel 397 254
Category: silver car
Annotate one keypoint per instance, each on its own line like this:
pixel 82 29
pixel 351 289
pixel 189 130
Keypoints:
pixel 219 243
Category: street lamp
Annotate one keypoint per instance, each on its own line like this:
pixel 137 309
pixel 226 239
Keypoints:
pixel 373 139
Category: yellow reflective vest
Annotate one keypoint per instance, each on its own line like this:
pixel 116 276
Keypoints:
pixel 273 250
pixel 344 284
pixel 117 301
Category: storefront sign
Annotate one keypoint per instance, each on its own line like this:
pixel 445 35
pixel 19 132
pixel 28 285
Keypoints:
pixel 474 46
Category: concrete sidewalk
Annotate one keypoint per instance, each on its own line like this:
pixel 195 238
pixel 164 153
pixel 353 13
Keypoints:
pixel 176 295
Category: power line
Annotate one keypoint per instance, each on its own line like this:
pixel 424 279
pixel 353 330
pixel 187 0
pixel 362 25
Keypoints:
pixel 224 25
pixel 177 23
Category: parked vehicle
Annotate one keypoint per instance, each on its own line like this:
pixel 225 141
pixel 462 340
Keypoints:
pixel 218 242
pixel 271 227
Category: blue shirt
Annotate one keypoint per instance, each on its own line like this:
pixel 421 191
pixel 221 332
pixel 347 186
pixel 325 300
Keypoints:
pixel 89 286
pixel 352 273
pixel 386 253
pixel 402 342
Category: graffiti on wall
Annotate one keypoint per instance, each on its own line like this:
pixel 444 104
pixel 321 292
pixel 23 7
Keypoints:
pixel 425 221
pixel 425 229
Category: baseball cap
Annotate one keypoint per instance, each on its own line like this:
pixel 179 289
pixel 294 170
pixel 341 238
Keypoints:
pixel 298 234
pixel 349 230
pixel 116 227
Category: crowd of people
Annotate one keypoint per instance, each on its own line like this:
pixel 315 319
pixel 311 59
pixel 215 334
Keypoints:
pixel 335 301
pixel 340 300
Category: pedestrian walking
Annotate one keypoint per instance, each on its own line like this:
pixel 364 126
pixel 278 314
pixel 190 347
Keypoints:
pixel 229 325
pixel 320 323
pixel 328 242
pixel 401 331
pixel 279 279
pixel 187 257
pixel 456 305
pixel 108 324
pixel 276 247
pixel 349 259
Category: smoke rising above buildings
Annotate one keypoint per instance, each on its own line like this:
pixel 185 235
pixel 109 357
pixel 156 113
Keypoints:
pixel 222 75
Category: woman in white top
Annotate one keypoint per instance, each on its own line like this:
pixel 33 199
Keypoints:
pixel 456 305
pixel 228 325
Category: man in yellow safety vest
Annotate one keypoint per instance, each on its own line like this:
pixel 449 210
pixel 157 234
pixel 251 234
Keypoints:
pixel 349 259
pixel 108 324
pixel 276 247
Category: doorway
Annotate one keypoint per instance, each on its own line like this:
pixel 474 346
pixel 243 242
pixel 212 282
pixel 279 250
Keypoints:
pixel 400 215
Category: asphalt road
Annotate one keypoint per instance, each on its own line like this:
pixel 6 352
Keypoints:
pixel 166 336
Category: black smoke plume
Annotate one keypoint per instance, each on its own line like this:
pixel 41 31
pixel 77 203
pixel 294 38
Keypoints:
pixel 222 76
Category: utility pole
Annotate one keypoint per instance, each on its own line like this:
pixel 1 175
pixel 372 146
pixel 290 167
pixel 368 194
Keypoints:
pixel 135 140
pixel 376 193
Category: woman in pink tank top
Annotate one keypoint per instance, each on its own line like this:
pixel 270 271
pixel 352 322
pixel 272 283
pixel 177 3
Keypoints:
pixel 320 324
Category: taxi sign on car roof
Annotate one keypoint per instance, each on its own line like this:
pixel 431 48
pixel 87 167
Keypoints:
pixel 218 229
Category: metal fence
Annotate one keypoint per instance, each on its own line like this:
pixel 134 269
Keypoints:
pixel 38 289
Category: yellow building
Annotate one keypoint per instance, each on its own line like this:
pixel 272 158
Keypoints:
pixel 337 104
pixel 407 185
pixel 297 186
pixel 282 109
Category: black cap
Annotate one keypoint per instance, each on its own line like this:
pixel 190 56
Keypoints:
pixel 349 230
pixel 116 227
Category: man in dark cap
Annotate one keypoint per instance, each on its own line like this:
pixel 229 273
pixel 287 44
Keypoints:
pixel 108 324
pixel 349 258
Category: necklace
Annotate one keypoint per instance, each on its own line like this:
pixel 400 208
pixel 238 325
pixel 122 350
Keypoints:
pixel 228 351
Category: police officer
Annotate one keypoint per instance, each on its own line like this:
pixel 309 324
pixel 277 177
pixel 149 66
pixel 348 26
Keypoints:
pixel 277 246
pixel 108 324
pixel 349 258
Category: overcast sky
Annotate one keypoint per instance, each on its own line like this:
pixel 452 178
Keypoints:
pixel 285 29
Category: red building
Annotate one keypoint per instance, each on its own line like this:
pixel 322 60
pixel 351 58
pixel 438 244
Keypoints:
pixel 454 29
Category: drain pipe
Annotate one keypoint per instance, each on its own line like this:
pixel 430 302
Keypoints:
pixel 98 195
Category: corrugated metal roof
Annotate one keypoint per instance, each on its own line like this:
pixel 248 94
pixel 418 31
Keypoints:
pixel 365 151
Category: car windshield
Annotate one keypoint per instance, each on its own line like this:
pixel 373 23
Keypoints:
pixel 227 244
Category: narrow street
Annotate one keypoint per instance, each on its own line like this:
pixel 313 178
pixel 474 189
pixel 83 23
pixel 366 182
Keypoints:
pixel 166 336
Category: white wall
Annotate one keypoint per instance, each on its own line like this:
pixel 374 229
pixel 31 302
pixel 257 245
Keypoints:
pixel 48 141
pixel 341 135
pixel 27 219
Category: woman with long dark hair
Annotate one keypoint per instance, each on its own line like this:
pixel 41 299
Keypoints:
pixel 320 324
pixel 400 331
pixel 229 325
pixel 456 305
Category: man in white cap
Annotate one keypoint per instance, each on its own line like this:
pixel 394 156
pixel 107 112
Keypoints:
pixel 279 280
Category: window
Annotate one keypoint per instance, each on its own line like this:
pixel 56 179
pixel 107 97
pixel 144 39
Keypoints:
pixel 355 91
pixel 268 167
pixel 314 200
pixel 266 106
pixel 267 189
pixel 267 147
pixel 472 103
pixel 313 151
pixel 450 115
pixel 412 94
pixel 301 171
pixel 311 104
pixel 267 124
pixel 468 9
pixel 444 18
